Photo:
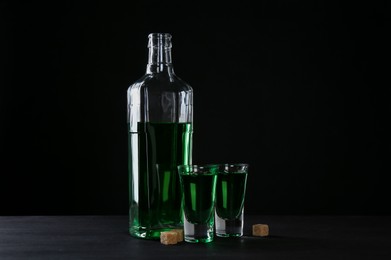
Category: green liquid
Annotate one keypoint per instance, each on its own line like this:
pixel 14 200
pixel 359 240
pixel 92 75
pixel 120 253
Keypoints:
pixel 154 186
pixel 199 197
pixel 230 193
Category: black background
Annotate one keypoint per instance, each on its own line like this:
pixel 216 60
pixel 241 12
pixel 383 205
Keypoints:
pixel 299 90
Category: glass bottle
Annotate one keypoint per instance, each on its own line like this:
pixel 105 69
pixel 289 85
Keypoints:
pixel 160 137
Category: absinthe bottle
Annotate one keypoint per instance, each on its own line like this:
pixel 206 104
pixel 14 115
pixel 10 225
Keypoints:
pixel 160 136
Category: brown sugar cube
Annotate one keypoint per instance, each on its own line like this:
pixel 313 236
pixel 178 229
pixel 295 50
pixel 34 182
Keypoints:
pixel 260 230
pixel 179 234
pixel 169 237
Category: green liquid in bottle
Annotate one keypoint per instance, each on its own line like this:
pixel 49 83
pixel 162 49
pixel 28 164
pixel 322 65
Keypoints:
pixel 154 186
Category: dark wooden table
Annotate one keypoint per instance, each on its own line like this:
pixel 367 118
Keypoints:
pixel 106 237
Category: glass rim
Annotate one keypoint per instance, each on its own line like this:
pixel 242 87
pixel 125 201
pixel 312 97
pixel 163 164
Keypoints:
pixel 199 165
pixel 235 164
pixel 234 168
pixel 198 168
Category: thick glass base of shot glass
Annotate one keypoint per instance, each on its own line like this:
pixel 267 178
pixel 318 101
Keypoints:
pixel 198 233
pixel 229 227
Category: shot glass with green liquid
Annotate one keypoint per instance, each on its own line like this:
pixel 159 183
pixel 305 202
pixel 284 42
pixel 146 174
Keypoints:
pixel 230 195
pixel 198 183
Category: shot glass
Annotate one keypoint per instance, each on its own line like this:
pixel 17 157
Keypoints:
pixel 230 195
pixel 198 183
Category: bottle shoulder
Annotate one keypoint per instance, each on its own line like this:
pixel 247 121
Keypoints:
pixel 160 81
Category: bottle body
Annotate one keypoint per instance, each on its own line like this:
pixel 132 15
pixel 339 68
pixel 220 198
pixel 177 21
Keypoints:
pixel 160 134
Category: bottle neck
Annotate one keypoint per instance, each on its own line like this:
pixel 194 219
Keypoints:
pixel 159 58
